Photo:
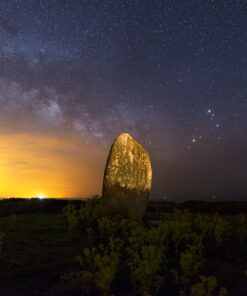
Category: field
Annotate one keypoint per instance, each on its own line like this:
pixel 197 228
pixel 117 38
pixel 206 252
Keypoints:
pixel 176 249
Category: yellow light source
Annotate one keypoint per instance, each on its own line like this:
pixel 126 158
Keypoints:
pixel 41 196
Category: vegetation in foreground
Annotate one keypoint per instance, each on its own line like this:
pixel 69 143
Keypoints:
pixel 82 251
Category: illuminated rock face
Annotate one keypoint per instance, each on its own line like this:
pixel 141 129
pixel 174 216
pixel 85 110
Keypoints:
pixel 127 178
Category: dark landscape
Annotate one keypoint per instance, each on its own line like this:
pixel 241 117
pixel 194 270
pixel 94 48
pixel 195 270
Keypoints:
pixel 59 247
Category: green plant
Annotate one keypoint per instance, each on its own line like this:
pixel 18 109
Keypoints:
pixel 73 219
pixel 79 220
pixel 190 262
pixel 221 230
pixel 205 287
pixel 99 266
pixel 214 230
pixel 241 229
pixel 178 231
pixel 168 254
pixel 90 212
pixel 144 258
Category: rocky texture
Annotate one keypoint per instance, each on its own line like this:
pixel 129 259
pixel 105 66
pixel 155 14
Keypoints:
pixel 127 178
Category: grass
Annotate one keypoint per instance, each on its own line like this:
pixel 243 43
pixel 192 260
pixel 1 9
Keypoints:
pixel 36 251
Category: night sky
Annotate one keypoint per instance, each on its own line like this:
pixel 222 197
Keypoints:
pixel 75 74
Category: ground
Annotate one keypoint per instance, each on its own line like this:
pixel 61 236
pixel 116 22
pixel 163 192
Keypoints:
pixel 38 249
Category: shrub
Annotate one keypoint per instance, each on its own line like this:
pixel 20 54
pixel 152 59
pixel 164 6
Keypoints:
pixel 215 231
pixel 99 266
pixel 73 219
pixel 90 212
pixel 241 229
pixel 147 257
pixel 207 287
pixel 145 254
pixel 84 218
pixel 190 262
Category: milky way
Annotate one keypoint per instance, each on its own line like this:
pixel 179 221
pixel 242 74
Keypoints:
pixel 171 73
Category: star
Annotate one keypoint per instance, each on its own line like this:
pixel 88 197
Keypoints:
pixel 88 70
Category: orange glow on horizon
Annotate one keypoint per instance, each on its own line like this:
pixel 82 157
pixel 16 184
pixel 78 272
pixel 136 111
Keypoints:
pixel 40 165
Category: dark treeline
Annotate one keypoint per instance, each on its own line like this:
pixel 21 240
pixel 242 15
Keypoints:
pixel 195 206
pixel 10 206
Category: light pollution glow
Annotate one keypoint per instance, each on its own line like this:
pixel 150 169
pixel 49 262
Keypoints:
pixel 34 165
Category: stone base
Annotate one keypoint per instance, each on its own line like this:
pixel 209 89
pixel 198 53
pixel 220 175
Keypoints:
pixel 125 203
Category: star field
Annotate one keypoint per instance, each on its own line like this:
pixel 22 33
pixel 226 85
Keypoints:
pixel 171 73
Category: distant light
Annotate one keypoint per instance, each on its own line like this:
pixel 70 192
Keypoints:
pixel 41 196
pixel 209 110
pixel 193 140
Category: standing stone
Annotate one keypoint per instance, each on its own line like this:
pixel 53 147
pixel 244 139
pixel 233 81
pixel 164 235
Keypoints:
pixel 127 178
